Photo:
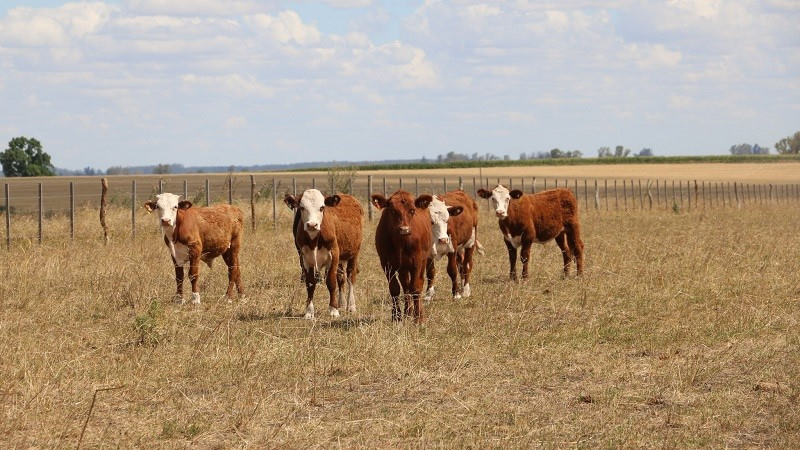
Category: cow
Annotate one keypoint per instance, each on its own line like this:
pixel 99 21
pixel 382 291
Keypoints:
pixel 328 236
pixel 526 219
pixel 200 234
pixel 403 241
pixel 454 222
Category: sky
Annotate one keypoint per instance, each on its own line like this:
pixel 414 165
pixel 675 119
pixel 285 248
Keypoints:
pixel 243 82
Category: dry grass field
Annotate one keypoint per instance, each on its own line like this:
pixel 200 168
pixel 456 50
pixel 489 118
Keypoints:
pixel 683 333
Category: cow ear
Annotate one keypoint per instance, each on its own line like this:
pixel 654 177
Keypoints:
pixel 333 200
pixel 290 201
pixel 184 204
pixel 379 201
pixel 455 210
pixel 483 193
pixel 423 201
pixel 515 194
pixel 150 206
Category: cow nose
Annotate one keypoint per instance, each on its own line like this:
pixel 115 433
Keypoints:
pixel 313 225
pixel 405 230
pixel 499 213
pixel 443 240
pixel 165 222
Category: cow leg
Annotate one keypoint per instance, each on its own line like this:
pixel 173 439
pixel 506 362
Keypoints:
pixel 331 281
pixel 576 244
pixel 466 271
pixel 311 284
pixel 452 271
pixel 561 240
pixel 393 277
pixel 525 256
pixel 194 271
pixel 234 278
pixel 430 273
pixel 512 261
pixel 352 271
pixel 417 283
pixel 405 281
pixel 179 282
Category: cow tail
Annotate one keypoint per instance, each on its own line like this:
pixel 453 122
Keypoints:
pixel 479 247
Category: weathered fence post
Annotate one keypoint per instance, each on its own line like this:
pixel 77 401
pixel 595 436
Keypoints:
pixel 133 209
pixel 586 193
pixel 252 202
pixel 658 194
pixel 460 183
pixel 649 194
pixel 616 199
pixel 185 190
pixel 230 189
pixel 689 195
pixel 695 194
pixel 274 205
pixel 400 182
pixel 294 186
pixel 625 193
pixel 160 185
pixel 556 183
pixel 103 204
pixel 208 193
pixel 545 183
pixel 416 187
pixel 596 196
pixel 8 219
pixel 444 184
pixel 605 190
pixel 533 185
pixel 384 186
pixel 474 186
pixel 736 193
pixel 313 182
pixel 71 211
pixel 369 197
pixel 674 197
pixel 41 214
pixel 641 196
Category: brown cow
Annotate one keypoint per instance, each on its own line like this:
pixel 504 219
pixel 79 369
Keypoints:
pixel 403 241
pixel 328 236
pixel 200 234
pixel 454 221
pixel 525 219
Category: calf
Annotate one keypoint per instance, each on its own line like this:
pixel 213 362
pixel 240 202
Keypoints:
pixel 525 219
pixel 328 236
pixel 454 221
pixel 403 241
pixel 200 234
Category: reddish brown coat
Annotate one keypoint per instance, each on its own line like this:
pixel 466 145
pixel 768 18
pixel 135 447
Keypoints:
pixel 403 241
pixel 539 218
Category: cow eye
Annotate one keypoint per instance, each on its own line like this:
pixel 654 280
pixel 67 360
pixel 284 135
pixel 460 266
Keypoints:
pixel 175 207
pixel 321 208
pixel 412 212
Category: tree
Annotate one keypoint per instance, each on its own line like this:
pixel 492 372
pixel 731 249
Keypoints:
pixel 24 158
pixel 759 150
pixel 787 145
pixel 644 152
pixel 604 152
pixel 621 152
pixel 161 169
pixel 741 149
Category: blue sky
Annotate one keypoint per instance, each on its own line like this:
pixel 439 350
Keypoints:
pixel 199 82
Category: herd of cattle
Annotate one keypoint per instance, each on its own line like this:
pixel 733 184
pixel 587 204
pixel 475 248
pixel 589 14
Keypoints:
pixel 411 235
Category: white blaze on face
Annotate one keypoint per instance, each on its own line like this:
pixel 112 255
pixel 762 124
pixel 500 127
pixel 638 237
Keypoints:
pixel 500 200
pixel 439 218
pixel 312 204
pixel 167 207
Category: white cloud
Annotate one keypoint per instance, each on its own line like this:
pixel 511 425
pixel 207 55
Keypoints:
pixel 195 8
pixel 232 84
pixel 286 27
pixel 235 122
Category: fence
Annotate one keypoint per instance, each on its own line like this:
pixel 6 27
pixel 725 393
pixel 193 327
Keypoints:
pixel 45 198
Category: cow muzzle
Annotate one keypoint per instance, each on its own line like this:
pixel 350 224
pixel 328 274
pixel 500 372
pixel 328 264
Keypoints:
pixel 500 213
pixel 405 230
pixel 166 223
pixel 312 226
pixel 444 240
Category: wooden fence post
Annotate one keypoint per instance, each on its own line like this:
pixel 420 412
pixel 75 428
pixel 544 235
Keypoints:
pixel 605 190
pixel 444 184
pixel 416 187
pixel 384 186
pixel 641 196
pixel 545 183
pixel 586 193
pixel 650 194
pixel 274 206
pixel 185 190
pixel 400 182
pixel 230 189
pixel 71 211
pixel 252 202
pixel 8 219
pixel 208 193
pixel 625 193
pixel 596 196
pixel 313 182
pixel 103 204
pixel 160 185
pixel 294 186
pixel 736 193
pixel 133 209
pixel 474 186
pixel 616 199
pixel 41 214
pixel 369 197
pixel 533 185
pixel 460 183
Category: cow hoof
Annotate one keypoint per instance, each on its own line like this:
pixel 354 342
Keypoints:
pixel 195 298
pixel 309 316
pixel 179 300
pixel 351 309
pixel 466 292
pixel 457 297
pixel 333 312
pixel 429 294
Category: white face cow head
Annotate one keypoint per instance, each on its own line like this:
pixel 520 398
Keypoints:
pixel 440 214
pixel 167 205
pixel 500 199
pixel 311 204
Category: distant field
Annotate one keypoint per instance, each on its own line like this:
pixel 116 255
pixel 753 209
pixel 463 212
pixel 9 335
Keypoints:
pixel 24 192
pixel 683 333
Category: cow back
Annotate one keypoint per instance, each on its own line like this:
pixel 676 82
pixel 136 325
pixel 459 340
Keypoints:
pixel 347 221
pixel 212 227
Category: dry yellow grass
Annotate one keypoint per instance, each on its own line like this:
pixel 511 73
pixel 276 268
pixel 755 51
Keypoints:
pixel 684 332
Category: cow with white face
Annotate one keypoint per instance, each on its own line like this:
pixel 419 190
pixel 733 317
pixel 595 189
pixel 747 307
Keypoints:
pixel 500 199
pixel 199 234
pixel 454 226
pixel 328 235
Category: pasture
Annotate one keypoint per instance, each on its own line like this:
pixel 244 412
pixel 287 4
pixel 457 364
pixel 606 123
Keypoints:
pixel 683 332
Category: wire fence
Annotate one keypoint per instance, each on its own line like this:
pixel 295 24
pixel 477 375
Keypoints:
pixel 262 196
